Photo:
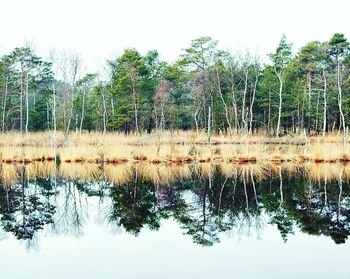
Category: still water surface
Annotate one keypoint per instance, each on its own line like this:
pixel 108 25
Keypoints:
pixel 249 222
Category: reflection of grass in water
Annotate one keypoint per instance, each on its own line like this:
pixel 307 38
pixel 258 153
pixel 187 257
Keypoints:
pixel 204 169
pixel 41 169
pixel 9 174
pixel 346 172
pixel 86 171
pixel 167 173
pixel 163 174
pixel 254 172
pixel 244 172
pixel 325 171
pixel 118 173
pixel 287 168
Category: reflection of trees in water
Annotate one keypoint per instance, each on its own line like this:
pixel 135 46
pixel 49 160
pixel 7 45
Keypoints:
pixel 26 208
pixel 71 207
pixel 325 212
pixel 203 205
pixel 133 206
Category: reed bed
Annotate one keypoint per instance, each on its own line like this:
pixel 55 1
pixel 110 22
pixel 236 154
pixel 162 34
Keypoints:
pixel 171 147
pixel 58 139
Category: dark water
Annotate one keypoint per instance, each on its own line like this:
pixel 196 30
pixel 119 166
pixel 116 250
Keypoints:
pixel 202 226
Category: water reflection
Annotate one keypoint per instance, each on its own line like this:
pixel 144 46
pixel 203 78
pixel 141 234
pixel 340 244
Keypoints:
pixel 206 199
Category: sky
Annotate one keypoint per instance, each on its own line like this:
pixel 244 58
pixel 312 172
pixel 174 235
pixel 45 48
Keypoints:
pixel 102 29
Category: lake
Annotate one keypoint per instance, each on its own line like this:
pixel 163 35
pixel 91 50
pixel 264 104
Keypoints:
pixel 210 220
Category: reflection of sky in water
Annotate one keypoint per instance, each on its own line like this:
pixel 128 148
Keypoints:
pixel 83 242
pixel 168 253
pixel 104 252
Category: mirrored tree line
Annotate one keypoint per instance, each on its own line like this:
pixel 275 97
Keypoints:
pixel 308 90
pixel 204 206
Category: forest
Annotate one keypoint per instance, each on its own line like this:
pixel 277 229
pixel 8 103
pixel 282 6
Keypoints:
pixel 205 88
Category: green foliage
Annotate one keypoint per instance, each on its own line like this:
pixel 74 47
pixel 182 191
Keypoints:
pixel 339 45
pixel 143 92
pixel 282 55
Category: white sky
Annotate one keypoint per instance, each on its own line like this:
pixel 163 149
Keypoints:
pixel 100 29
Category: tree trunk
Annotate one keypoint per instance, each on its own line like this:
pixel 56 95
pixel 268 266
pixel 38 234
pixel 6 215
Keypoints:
pixel 54 109
pixel 252 103
pixel 76 124
pixel 27 103
pixel 281 185
pixel 71 104
pixel 112 105
pixel 135 109
pixel 196 120
pixel 269 114
pixel 280 105
pixel 309 90
pixel 234 103
pixel 82 113
pixel 340 98
pixel 244 123
pixel 223 102
pixel 317 110
pixel 104 113
pixel 48 115
pixel 21 102
pixel 325 102
pixel 4 105
pixel 162 118
pixel 209 117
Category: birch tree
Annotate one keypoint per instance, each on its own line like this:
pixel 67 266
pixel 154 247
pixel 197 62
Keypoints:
pixel 280 59
pixel 339 48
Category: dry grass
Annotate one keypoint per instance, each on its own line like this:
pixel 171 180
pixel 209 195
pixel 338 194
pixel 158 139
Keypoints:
pixel 176 147
pixel 79 154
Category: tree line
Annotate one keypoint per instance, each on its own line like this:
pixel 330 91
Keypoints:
pixel 206 88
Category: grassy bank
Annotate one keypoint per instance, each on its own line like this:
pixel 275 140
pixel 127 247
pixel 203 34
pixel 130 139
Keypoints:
pixel 171 147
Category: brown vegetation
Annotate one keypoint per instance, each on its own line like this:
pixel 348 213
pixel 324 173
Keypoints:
pixel 181 147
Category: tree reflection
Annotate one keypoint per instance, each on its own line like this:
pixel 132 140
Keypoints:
pixel 204 205
pixel 133 206
pixel 25 210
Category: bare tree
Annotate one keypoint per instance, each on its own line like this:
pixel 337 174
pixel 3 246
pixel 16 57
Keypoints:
pixel 67 66
pixel 245 69
pixel 75 65
pixel 257 69
pixel 232 66
pixel 223 100
pixel 160 98
pixel 4 103
pixel 199 98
